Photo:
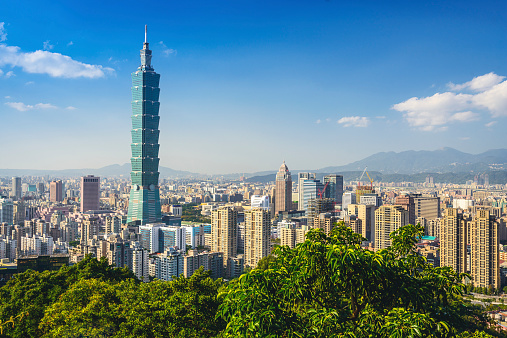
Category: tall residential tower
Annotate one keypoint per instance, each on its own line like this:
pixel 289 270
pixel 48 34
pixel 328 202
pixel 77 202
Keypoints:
pixel 144 202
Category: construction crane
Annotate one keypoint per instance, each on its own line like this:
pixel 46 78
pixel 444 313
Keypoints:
pixel 359 180
pixel 371 181
pixel 321 192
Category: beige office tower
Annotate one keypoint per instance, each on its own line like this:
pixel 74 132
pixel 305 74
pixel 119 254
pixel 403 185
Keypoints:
pixel 484 254
pixel 283 190
pixel 366 213
pixel 453 241
pixel 427 207
pixel 325 221
pixel 257 236
pixel 224 234
pixel 388 218
pixel 292 235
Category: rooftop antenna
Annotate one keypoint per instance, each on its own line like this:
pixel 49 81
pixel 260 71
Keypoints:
pixel 145 33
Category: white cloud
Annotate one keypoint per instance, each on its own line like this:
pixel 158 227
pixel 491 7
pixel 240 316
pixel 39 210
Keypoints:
pixel 3 33
pixel 29 83
pixel 47 45
pixel 318 121
pixel 70 43
pixel 20 106
pixel 434 112
pixel 71 108
pixel 53 64
pixel 167 51
pixel 380 117
pixel 7 97
pixel 9 74
pixel 478 83
pixel 490 124
pixel 354 121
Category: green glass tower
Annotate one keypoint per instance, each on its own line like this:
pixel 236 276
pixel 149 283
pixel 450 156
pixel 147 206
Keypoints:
pixel 144 202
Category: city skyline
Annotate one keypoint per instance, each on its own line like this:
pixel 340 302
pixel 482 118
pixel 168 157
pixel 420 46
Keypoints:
pixel 391 77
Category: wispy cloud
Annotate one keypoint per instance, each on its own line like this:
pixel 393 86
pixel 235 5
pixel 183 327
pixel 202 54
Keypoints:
pixel 9 74
pixel 3 32
pixel 354 121
pixel 71 108
pixel 20 106
pixel 29 83
pixel 52 64
pixel 478 83
pixel 432 113
pixel 490 124
pixel 167 51
pixel 464 138
pixel 70 43
pixel 47 45
pixel 318 121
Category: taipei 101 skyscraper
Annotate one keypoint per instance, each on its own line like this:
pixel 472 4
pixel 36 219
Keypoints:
pixel 144 202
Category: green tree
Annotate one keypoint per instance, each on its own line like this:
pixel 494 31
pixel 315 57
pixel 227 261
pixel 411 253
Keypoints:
pixel 184 307
pixel 329 286
pixel 31 292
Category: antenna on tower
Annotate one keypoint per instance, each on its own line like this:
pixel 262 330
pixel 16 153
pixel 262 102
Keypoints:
pixel 145 33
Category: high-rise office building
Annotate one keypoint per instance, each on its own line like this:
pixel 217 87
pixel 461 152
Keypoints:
pixel 348 198
pixel 408 203
pixel 366 213
pixel 311 190
pixel 224 234
pixel 283 189
pixel 90 193
pixel 453 241
pixel 334 187
pixel 56 191
pixel 258 201
pixel 485 269
pixel 6 211
pixel 257 236
pixel 388 218
pixel 419 206
pixel 144 202
pixel 41 188
pixel 301 178
pixel 16 188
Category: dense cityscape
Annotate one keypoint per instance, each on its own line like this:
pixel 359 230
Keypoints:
pixel 281 253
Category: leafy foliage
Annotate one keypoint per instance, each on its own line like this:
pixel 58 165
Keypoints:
pixel 180 308
pixel 31 292
pixel 329 286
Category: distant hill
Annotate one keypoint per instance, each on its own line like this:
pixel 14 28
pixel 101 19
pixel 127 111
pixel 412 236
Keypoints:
pixel 437 161
pixel 110 170
pixel 495 177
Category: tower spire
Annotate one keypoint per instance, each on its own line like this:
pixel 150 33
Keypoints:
pixel 146 52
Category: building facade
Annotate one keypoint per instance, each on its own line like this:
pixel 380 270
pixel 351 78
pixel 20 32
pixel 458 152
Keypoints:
pixel 144 202
pixel 224 234
pixel 257 236
pixel 334 187
pixel 90 193
pixel 283 190
pixel 388 218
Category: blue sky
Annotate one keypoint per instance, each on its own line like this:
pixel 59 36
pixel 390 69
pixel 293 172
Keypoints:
pixel 248 84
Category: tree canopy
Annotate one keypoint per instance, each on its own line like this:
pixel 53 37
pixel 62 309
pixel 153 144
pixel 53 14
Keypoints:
pixel 328 286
